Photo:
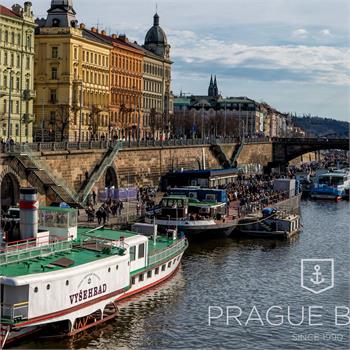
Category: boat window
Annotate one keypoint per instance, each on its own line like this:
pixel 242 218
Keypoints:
pixel 48 287
pixel 132 253
pixel 169 264
pixel 117 267
pixel 141 251
pixel 36 290
pixel 141 278
pixel 109 269
pixel 149 274
pixel 156 271
pixel 67 283
pixel 133 280
pixel 163 268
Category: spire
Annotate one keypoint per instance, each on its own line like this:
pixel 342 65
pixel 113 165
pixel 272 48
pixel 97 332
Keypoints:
pixel 215 88
pixel 156 20
pixel 211 87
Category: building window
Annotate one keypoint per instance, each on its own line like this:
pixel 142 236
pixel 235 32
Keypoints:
pixel 75 53
pixel 141 251
pixel 132 253
pixel 54 52
pixel 28 63
pixel 54 73
pixel 53 96
pixel 17 130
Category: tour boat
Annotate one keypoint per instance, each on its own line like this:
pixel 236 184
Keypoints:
pixel 269 223
pixel 193 217
pixel 332 185
pixel 72 277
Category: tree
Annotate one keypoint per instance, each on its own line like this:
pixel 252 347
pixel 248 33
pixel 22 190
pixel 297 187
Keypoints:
pixel 94 121
pixel 63 119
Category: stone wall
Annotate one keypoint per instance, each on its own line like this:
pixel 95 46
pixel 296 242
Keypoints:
pixel 256 153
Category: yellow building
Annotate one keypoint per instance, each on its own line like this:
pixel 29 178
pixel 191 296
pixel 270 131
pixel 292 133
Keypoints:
pixel 71 79
pixel 16 72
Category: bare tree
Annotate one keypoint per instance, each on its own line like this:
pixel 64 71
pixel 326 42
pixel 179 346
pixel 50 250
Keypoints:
pixel 63 119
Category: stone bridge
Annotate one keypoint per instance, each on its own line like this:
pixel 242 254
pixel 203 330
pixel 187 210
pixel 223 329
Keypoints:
pixel 286 149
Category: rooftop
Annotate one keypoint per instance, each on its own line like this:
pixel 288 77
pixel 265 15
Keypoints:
pixel 4 11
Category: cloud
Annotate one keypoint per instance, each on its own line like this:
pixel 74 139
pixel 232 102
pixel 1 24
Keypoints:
pixel 318 64
pixel 300 34
pixel 325 32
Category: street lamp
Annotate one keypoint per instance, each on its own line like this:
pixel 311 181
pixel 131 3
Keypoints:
pixel 81 111
pixel 10 71
pixel 43 114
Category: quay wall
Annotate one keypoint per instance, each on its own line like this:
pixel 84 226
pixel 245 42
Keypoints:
pixel 131 167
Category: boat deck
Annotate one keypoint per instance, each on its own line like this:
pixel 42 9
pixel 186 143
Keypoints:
pixel 78 254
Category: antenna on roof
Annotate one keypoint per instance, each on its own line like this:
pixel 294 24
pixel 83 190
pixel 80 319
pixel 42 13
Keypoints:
pixel 156 7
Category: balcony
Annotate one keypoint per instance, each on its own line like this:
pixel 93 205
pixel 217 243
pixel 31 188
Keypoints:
pixel 29 95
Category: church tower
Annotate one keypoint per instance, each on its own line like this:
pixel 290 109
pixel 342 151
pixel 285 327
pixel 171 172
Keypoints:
pixel 215 89
pixel 211 88
pixel 61 14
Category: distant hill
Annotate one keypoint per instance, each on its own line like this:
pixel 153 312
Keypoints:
pixel 322 127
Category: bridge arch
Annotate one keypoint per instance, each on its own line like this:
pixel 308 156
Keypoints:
pixel 288 149
pixel 111 179
pixel 10 188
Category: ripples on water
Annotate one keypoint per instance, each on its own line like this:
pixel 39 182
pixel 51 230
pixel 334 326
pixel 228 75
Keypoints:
pixel 227 272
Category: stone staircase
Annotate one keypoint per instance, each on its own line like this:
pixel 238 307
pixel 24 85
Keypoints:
pixel 235 154
pixel 25 161
pixel 99 171
pixel 220 156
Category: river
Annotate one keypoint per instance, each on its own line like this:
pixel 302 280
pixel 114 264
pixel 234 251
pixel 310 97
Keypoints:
pixel 251 276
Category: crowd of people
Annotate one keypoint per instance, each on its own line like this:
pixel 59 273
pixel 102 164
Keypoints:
pixel 248 194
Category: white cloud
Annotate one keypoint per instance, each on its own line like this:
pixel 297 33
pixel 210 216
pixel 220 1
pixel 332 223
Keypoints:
pixel 320 64
pixel 325 32
pixel 300 34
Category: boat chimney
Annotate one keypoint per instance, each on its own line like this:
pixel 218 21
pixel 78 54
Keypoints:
pixel 29 214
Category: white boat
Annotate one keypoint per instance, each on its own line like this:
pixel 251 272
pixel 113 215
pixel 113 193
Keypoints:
pixel 73 278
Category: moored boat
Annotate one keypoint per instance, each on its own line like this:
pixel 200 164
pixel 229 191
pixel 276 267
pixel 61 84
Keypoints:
pixel 333 185
pixel 193 217
pixel 270 223
pixel 71 277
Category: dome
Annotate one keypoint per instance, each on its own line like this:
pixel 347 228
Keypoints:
pixel 156 34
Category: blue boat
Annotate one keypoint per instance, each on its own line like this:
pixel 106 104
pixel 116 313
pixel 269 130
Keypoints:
pixel 333 185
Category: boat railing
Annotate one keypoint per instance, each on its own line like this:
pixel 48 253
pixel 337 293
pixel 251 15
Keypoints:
pixel 172 250
pixel 14 312
pixel 31 249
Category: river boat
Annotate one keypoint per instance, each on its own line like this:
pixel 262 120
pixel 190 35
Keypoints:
pixel 270 223
pixel 71 278
pixel 333 185
pixel 192 217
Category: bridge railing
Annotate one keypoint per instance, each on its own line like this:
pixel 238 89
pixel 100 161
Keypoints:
pixel 129 144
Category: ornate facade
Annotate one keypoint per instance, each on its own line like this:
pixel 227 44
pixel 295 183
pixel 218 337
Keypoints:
pixel 157 97
pixel 17 72
pixel 72 79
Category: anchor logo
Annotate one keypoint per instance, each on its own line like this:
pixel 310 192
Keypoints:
pixel 317 275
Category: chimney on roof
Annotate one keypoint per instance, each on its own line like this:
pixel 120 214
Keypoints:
pixel 82 26
pixel 114 36
pixel 103 32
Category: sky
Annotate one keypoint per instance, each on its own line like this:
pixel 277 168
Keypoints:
pixel 293 54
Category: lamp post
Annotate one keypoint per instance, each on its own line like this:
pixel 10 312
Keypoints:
pixel 81 111
pixel 9 69
pixel 43 114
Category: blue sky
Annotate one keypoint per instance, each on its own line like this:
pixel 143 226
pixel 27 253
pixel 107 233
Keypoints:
pixel 293 54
